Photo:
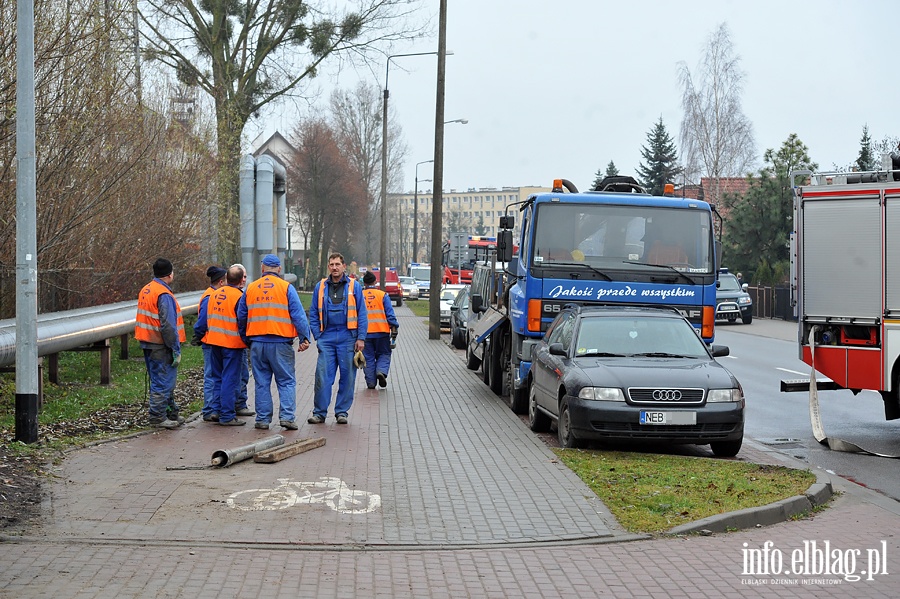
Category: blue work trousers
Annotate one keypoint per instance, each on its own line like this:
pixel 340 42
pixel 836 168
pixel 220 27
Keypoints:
pixel 163 376
pixel 378 357
pixel 227 362
pixel 211 380
pixel 335 353
pixel 241 401
pixel 268 360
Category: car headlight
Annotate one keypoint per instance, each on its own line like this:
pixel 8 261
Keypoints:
pixel 724 395
pixel 601 394
pixel 745 300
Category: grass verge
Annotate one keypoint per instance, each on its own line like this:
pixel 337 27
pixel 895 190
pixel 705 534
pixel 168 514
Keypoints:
pixel 652 493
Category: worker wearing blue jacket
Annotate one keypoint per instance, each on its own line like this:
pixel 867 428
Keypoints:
pixel 270 316
pixel 337 318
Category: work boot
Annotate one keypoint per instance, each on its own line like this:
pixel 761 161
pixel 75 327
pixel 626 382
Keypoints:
pixel 288 424
pixel 169 424
pixel 211 417
pixel 233 422
pixel 245 411
pixel 382 379
pixel 263 425
pixel 179 419
pixel 315 419
pixel 342 419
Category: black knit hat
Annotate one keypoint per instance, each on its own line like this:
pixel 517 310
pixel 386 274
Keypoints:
pixel 215 273
pixel 162 268
pixel 369 278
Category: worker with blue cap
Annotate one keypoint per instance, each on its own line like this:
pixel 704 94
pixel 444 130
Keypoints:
pixel 271 316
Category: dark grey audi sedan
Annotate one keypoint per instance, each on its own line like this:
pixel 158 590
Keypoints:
pixel 605 372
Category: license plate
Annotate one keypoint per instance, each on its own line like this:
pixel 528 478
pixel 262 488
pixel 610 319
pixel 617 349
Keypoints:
pixel 668 417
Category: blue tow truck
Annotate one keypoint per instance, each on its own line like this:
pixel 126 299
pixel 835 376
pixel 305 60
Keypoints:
pixel 615 244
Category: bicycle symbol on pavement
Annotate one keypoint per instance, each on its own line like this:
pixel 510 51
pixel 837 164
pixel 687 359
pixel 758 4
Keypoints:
pixel 329 490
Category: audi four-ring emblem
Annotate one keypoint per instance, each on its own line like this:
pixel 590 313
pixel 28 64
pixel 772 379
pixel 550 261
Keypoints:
pixel 667 395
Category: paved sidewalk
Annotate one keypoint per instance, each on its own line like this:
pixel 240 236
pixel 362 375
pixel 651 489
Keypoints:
pixel 444 493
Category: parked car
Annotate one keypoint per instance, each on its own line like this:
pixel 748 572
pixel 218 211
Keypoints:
pixel 459 315
pixel 391 284
pixel 605 372
pixel 732 299
pixel 410 288
pixel 448 296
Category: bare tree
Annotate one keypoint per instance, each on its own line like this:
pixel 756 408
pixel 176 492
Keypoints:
pixel 716 137
pixel 246 55
pixel 357 118
pixel 116 182
pixel 329 192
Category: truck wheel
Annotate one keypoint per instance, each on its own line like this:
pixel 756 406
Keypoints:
pixel 472 361
pixel 518 398
pixel 747 319
pixel 496 365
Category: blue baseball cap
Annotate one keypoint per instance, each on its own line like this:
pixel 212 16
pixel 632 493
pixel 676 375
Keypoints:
pixel 271 260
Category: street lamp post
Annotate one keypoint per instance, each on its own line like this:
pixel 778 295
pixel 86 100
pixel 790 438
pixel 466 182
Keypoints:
pixel 384 164
pixel 434 303
pixel 415 247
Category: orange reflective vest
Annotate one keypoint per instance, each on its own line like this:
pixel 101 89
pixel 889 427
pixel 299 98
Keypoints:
pixel 147 326
pixel 351 304
pixel 221 319
pixel 267 308
pixel 378 322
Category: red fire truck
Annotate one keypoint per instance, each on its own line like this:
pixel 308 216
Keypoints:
pixel 845 263
pixel 459 261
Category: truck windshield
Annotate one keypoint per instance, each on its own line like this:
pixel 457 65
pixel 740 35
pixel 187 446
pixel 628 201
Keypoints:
pixel 612 236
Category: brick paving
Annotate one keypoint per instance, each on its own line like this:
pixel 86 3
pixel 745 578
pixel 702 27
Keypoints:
pixel 472 505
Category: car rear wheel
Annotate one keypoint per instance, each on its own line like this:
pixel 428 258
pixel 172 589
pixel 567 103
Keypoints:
pixel 726 449
pixel 537 420
pixel 564 432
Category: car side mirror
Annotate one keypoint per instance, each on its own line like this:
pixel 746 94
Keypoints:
pixel 454 308
pixel 720 351
pixel 745 286
pixel 476 303
pixel 556 349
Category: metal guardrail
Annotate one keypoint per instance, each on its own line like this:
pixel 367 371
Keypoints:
pixel 69 329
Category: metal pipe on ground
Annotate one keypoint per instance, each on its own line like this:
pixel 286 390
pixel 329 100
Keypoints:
pixel 222 458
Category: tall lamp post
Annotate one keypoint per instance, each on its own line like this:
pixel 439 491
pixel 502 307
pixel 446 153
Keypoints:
pixel 415 247
pixel 434 304
pixel 384 164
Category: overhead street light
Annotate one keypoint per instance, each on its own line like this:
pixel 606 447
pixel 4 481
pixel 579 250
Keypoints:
pixel 384 162
pixel 460 121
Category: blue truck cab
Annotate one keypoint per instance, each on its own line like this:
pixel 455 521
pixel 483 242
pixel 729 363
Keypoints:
pixel 614 245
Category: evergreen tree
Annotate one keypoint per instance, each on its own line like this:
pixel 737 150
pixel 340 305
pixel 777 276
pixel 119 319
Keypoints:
pixel 480 228
pixel 611 171
pixel 866 159
pixel 759 223
pixel 660 165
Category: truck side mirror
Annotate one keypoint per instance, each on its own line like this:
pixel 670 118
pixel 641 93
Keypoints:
pixel 476 302
pixel 504 245
pixel 507 222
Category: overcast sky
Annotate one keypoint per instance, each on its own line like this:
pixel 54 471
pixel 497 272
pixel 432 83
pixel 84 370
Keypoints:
pixel 557 89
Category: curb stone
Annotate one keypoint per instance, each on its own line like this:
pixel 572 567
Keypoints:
pixel 819 493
